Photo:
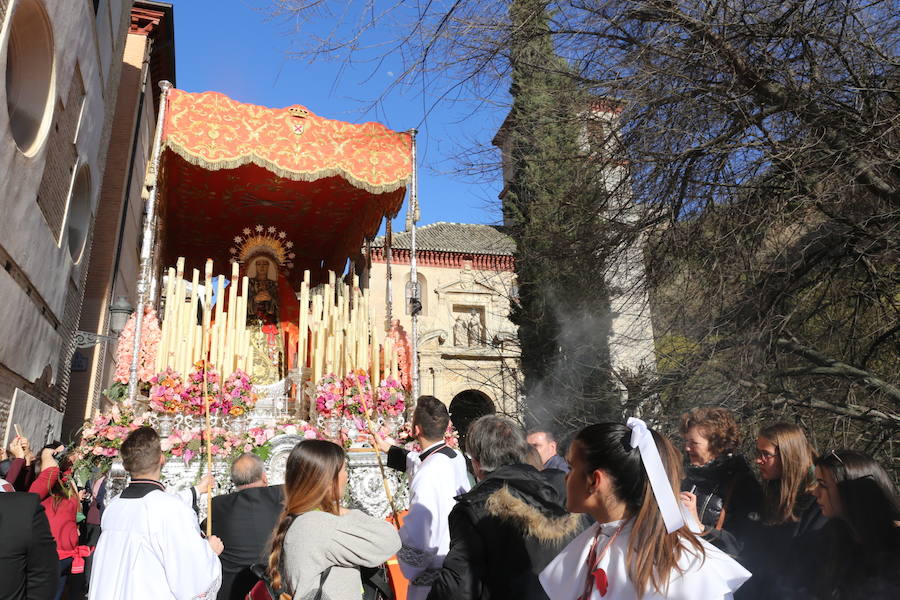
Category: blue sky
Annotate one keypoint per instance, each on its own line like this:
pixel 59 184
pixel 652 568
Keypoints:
pixel 232 47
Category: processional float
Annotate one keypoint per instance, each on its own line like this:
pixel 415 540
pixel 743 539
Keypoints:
pixel 253 328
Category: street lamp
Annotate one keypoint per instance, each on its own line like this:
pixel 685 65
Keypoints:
pixel 119 312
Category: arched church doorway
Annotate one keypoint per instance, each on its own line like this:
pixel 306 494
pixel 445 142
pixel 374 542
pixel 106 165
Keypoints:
pixel 467 406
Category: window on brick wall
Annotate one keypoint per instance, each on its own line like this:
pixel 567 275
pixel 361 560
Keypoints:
pixel 62 159
pixel 78 219
pixel 29 75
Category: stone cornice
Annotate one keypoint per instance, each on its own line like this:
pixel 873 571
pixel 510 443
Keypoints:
pixel 449 260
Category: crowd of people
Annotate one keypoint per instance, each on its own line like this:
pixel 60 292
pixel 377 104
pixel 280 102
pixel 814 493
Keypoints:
pixel 624 515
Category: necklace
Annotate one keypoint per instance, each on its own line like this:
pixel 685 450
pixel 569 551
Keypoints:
pixel 595 575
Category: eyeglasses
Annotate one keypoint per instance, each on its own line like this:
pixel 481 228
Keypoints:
pixel 765 456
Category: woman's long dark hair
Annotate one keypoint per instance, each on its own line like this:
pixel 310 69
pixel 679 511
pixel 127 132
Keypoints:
pixel 310 483
pixel 870 505
pixel 652 553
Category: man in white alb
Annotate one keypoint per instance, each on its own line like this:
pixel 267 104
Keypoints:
pixel 151 546
pixel 436 475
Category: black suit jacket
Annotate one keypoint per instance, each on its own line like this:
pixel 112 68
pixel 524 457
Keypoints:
pixel 29 565
pixel 244 521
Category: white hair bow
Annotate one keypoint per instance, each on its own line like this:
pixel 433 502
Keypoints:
pixel 642 439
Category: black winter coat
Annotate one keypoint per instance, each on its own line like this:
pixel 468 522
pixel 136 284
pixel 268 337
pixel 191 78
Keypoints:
pixel 849 570
pixel 503 532
pixel 784 558
pixel 728 477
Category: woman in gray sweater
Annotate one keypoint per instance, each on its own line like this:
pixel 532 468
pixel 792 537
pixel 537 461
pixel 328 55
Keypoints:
pixel 317 543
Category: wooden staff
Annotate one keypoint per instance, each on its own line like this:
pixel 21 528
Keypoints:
pixel 209 464
pixel 387 489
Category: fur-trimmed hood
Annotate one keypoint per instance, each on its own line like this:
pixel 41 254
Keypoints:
pixel 534 501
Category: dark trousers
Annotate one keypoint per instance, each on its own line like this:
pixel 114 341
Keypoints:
pixel 65 569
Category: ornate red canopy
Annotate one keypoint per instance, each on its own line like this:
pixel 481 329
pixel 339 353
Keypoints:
pixel 227 166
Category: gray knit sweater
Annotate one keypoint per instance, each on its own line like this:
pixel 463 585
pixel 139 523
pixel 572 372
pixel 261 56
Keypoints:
pixel 318 540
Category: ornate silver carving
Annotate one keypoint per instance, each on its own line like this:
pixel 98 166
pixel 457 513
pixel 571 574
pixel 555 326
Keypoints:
pixel 86 339
pixel 366 489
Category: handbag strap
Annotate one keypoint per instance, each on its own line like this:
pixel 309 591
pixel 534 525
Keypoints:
pixel 731 485
pixel 322 583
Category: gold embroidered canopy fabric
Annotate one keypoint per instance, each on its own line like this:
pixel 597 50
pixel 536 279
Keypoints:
pixel 215 132
pixel 228 165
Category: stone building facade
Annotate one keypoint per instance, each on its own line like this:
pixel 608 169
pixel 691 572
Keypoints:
pixel 63 64
pixel 468 349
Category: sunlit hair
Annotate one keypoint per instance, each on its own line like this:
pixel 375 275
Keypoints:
pixel 797 476
pixel 652 552
pixel 717 426
pixel 868 497
pixel 310 483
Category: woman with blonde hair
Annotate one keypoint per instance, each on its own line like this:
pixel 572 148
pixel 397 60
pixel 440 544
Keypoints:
pixel 318 546
pixel 778 548
pixel 625 477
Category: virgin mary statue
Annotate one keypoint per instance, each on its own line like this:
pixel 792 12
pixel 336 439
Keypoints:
pixel 272 307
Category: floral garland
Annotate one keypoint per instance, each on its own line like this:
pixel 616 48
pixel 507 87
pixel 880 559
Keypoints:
pixel 102 436
pixel 150 338
pixel 189 443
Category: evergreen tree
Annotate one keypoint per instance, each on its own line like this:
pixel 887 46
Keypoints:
pixel 552 208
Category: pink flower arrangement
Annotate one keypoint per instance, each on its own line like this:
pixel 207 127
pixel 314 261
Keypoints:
pixel 390 399
pixel 167 392
pixel 329 395
pixel 238 391
pixel 195 396
pixel 357 393
pixel 150 337
pixel 102 436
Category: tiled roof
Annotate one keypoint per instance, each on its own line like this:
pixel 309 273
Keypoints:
pixel 467 238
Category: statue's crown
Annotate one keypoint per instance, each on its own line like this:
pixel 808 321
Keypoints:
pixel 262 240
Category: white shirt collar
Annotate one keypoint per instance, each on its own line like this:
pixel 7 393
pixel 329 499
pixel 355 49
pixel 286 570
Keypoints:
pixel 424 450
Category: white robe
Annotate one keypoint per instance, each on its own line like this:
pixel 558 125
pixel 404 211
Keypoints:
pixel 434 485
pixel 150 548
pixel 713 578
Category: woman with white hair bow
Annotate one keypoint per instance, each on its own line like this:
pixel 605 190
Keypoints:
pixel 626 477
